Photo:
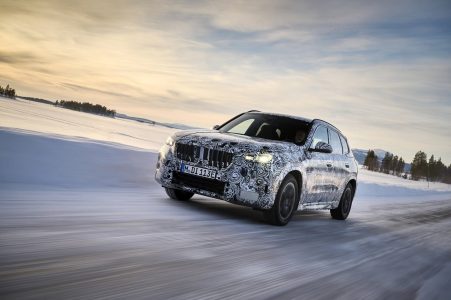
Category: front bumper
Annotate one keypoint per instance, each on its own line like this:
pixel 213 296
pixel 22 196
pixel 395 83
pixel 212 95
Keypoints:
pixel 244 183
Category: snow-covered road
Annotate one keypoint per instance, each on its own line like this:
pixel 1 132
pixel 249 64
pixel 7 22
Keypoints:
pixel 83 218
pixel 137 244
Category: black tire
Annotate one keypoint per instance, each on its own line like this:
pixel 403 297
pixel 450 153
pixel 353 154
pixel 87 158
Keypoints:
pixel 286 204
pixel 178 194
pixel 344 207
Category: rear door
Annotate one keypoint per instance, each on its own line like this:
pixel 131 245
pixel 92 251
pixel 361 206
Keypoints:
pixel 338 161
pixel 349 165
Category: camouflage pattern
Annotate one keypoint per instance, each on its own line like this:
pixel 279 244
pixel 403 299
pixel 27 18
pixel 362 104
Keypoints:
pixel 322 177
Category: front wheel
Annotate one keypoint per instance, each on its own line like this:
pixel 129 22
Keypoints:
pixel 344 207
pixel 286 203
pixel 178 194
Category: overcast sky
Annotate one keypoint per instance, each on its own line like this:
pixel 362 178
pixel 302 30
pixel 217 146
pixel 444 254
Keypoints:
pixel 379 70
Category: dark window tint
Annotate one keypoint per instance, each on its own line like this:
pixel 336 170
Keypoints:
pixel 271 127
pixel 335 142
pixel 320 136
pixel 344 143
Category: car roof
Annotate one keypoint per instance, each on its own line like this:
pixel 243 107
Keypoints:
pixel 281 115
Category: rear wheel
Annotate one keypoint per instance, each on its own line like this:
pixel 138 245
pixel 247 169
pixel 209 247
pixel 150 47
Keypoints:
pixel 344 207
pixel 178 194
pixel 286 203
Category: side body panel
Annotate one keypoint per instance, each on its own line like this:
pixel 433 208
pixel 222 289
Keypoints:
pixel 326 175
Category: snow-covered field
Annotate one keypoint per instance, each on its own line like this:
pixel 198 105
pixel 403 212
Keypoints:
pixel 66 124
pixel 81 217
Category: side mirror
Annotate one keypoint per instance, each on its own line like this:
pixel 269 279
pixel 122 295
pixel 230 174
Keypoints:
pixel 216 127
pixel 322 147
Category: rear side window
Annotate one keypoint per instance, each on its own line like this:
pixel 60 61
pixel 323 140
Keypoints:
pixel 345 145
pixel 335 142
pixel 320 136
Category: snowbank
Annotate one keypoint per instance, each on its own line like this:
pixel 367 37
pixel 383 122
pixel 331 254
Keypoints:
pixel 30 159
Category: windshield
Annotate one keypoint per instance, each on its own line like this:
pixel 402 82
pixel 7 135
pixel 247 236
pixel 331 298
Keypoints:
pixel 270 127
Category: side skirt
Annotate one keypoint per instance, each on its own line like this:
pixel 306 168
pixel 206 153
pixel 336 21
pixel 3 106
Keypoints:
pixel 316 206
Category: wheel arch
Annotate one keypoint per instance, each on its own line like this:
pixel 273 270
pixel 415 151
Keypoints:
pixel 353 183
pixel 298 176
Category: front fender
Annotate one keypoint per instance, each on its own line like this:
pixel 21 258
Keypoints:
pixel 288 163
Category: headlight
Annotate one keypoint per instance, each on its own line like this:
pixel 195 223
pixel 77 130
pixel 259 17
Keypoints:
pixel 170 141
pixel 262 158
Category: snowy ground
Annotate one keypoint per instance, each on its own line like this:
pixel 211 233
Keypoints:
pixel 54 121
pixel 81 217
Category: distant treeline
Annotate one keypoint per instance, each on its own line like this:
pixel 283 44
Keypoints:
pixel 391 164
pixel 421 168
pixel 7 92
pixel 74 105
pixel 37 100
pixel 86 107
pixel 432 169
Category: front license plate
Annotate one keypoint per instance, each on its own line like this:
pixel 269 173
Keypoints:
pixel 198 171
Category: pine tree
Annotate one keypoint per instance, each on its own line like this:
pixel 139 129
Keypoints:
pixel 394 164
pixel 419 166
pixel 437 170
pixel 8 91
pixel 430 174
pixel 366 162
pixel 447 176
pixel 400 166
pixel 386 162
pixel 371 161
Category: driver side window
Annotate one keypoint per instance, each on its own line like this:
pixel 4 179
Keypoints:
pixel 320 136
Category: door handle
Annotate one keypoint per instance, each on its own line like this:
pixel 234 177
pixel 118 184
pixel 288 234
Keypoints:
pixel 347 165
pixel 329 164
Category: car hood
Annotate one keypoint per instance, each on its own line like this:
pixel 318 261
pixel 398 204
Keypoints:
pixel 232 142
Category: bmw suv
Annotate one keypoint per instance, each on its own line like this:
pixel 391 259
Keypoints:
pixel 275 163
